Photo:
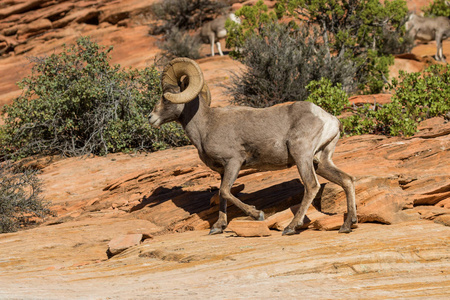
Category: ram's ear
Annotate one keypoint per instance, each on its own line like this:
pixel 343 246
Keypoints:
pixel 175 72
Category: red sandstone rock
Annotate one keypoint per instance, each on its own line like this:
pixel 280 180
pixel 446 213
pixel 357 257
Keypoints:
pixel 77 16
pixel 443 219
pixel 430 212
pixel 384 210
pixel 412 168
pixel 123 242
pixel 370 99
pixel 408 63
pixel 431 199
pixel 21 7
pixel 34 28
pixel 251 228
pixel 116 12
pixel 444 203
pixel 280 220
pixel 52 12
pixel 7 44
pixel 328 223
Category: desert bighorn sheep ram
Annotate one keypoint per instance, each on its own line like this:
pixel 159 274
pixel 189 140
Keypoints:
pixel 428 29
pixel 231 138
pixel 212 31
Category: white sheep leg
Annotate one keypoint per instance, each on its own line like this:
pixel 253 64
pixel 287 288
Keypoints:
pixel 211 38
pixel 219 48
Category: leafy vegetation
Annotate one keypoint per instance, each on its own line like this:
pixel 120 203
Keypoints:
pixel 417 96
pixel 437 8
pixel 281 61
pixel 328 96
pixel 76 103
pixel 184 14
pixel 339 44
pixel 253 20
pixel 179 43
pixel 20 198
pixel 177 20
pixel 363 32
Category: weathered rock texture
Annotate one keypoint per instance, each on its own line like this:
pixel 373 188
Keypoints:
pixel 123 242
pixel 398 250
pixel 396 180
pixel 41 27
pixel 402 189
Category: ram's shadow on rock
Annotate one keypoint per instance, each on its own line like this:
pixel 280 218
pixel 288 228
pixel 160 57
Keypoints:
pixel 271 200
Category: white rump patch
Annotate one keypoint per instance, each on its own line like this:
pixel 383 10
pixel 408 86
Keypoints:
pixel 235 18
pixel 222 33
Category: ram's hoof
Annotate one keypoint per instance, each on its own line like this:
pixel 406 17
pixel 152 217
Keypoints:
pixel 261 216
pixel 215 231
pixel 288 231
pixel 345 230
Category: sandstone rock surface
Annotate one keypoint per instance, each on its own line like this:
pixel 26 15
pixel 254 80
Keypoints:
pixel 403 182
pixel 249 228
pixel 122 243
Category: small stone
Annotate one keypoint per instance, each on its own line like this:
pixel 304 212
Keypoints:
pixel 384 209
pixel 444 203
pixel 35 27
pixel 251 228
pixel 443 219
pixel 122 243
pixel 280 220
pixel 328 223
pixel 431 199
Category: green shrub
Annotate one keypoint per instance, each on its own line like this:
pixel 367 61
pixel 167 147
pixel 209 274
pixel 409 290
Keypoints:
pixel 437 8
pixel 331 98
pixel 20 198
pixel 184 14
pixel 76 103
pixel 420 95
pixel 280 62
pixel 253 19
pixel 179 43
pixel 361 121
pixel 417 96
pixel 364 33
pixel 396 42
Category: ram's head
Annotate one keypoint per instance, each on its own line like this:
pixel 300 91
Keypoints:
pixel 182 81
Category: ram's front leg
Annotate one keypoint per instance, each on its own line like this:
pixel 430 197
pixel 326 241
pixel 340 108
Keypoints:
pixel 228 178
pixel 221 223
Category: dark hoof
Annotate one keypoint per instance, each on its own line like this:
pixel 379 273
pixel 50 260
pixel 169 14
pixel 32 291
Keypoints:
pixel 345 230
pixel 261 216
pixel 215 231
pixel 288 231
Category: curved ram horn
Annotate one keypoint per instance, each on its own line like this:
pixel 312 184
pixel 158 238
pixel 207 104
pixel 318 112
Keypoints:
pixel 206 94
pixel 173 74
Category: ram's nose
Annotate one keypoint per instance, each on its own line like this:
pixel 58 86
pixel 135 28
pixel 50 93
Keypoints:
pixel 154 120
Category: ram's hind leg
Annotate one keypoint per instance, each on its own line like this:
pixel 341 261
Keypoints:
pixel 304 161
pixel 329 171
pixel 228 178
pixel 212 42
